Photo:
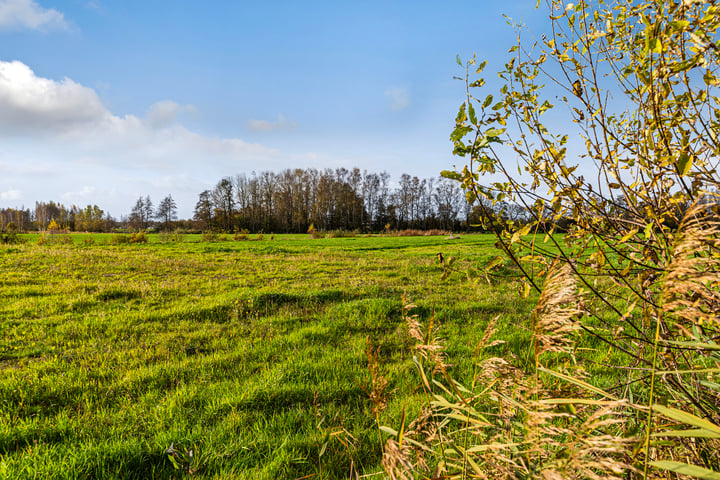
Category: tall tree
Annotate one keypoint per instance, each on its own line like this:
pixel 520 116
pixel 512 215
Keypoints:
pixel 91 219
pixel 137 217
pixel 203 213
pixel 449 199
pixel 166 212
pixel 149 213
pixel 223 198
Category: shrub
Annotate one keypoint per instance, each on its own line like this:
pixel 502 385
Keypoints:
pixel 637 275
pixel 209 236
pixel 138 237
pixel 168 237
pixel 53 227
pixel 341 234
pixel 49 239
pixel 11 238
pixel 241 235
pixel 120 239
pixel 410 232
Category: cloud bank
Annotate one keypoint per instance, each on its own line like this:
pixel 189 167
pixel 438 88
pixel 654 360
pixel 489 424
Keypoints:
pixel 63 127
pixel 32 104
pixel 70 113
pixel 26 14
pixel 165 113
pixel 266 126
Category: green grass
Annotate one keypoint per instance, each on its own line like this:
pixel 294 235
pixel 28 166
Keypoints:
pixel 250 354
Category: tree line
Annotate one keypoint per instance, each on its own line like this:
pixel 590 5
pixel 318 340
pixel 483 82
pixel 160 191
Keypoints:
pixel 56 216
pixel 294 199
pixel 289 201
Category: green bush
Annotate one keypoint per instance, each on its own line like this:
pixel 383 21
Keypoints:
pixel 138 237
pixel 11 238
pixel 120 239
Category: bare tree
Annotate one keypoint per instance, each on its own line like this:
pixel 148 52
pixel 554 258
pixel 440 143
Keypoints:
pixel 166 212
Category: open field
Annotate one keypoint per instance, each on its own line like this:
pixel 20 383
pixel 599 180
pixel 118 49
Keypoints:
pixel 249 354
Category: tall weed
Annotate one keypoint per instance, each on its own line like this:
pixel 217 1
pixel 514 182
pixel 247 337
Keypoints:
pixel 549 417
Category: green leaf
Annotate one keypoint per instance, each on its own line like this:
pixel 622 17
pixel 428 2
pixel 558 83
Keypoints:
pixel 685 469
pixel 679 25
pixel 488 101
pixel 451 175
pixel 494 132
pixel 655 45
pixel 545 106
pixel 461 116
pixel 686 418
pixel 709 78
pixel 648 231
pixel 695 345
pixel 684 164
pixel 459 133
pixel 457 59
pixel 694 433
pixel 494 263
pixel 471 114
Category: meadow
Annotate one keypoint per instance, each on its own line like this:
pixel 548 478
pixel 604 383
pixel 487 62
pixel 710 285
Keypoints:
pixel 179 358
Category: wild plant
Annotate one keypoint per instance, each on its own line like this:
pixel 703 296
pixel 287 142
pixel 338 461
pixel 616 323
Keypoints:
pixel 11 238
pixel 241 234
pixel 120 239
pixel 508 422
pixel 622 382
pixel 138 237
pixel 170 237
pixel 210 236
pixel 376 387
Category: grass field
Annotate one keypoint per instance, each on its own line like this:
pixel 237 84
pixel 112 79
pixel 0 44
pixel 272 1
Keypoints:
pixel 234 359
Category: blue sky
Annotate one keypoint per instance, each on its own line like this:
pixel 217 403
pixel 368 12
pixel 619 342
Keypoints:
pixel 104 101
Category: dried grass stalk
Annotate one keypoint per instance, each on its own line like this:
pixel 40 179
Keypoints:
pixel 692 284
pixel 429 344
pixel 556 312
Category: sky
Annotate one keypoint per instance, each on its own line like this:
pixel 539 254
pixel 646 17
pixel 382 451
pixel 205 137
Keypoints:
pixel 103 101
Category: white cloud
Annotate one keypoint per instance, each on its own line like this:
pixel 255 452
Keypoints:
pixel 58 141
pixel 72 115
pixel 10 195
pixel 266 125
pixel 22 14
pixel 29 103
pixel 399 97
pixel 163 114
pixel 83 194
